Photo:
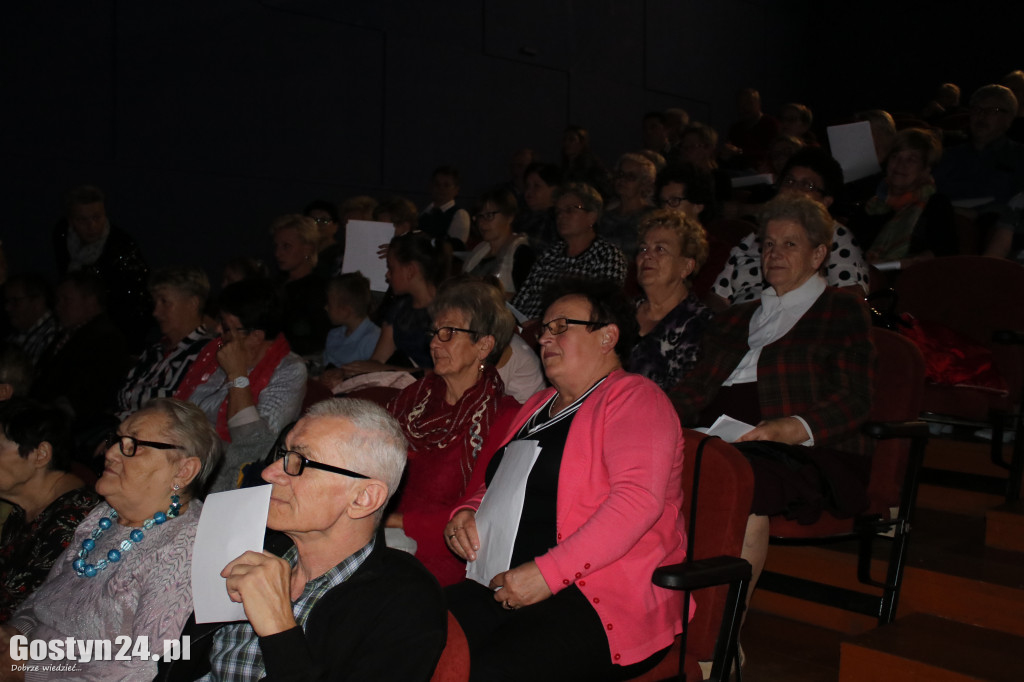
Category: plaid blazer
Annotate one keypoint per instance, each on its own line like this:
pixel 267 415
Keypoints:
pixel 821 370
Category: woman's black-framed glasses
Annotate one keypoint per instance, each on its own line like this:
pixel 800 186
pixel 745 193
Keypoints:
pixel 130 444
pixel 444 334
pixel 560 325
pixel 295 464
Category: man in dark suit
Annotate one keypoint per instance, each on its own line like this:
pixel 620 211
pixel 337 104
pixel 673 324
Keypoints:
pixel 338 605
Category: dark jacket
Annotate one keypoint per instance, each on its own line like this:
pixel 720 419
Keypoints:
pixel 386 623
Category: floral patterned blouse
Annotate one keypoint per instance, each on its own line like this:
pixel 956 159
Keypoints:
pixel 671 349
pixel 29 548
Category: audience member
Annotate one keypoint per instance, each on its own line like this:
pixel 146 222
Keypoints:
pixel 812 173
pixel 15 372
pixel 883 135
pixel 416 267
pixel 305 297
pixel 655 132
pixel 989 169
pixel 750 135
pixel 83 368
pixel 798 364
pixel 179 295
pixel 398 211
pixel 85 240
pixel 581 253
pixel 127 569
pixel 452 418
pixel 538 221
pixel 601 507
pixel 795 121
pixel 671 318
pixel 248 382
pixel 443 219
pixel 329 249
pixel 28 300
pixel 517 165
pixel 1014 81
pixel 944 102
pixel 907 220
pixel 502 253
pixel 580 164
pixel 354 336
pixel 238 269
pixel 338 604
pixel 633 186
pixel 700 147
pixel 684 187
pixel 49 501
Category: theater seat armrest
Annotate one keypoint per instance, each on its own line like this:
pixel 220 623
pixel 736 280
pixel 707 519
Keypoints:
pixel 1008 336
pixel 694 575
pixel 882 430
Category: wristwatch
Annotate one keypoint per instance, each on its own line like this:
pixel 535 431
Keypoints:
pixel 240 382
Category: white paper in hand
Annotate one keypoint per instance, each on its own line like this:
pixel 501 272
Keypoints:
pixel 727 428
pixel 497 519
pixel 232 523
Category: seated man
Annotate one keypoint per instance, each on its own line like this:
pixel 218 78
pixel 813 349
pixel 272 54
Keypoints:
pixel 339 605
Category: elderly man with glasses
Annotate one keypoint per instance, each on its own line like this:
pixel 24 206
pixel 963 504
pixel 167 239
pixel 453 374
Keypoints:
pixel 338 605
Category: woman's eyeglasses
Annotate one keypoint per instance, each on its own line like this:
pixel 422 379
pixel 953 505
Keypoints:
pixel 445 334
pixel 129 445
pixel 295 464
pixel 560 325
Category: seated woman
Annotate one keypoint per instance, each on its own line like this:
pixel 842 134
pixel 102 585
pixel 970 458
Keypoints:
pixel 581 253
pixel 416 267
pixel 248 382
pixel 581 164
pixel 601 512
pixel 296 239
pixel 49 501
pixel 179 297
pixel 541 181
pixel 671 318
pixel 452 417
pixel 128 569
pixel 797 364
pixel 502 253
pixel 634 187
pixel 907 220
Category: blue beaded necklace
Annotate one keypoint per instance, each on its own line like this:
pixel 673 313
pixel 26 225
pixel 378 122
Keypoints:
pixel 87 570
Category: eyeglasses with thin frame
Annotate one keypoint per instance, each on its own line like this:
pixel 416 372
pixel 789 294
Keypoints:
pixel 485 216
pixel 323 221
pixel 295 463
pixel 673 202
pixel 129 445
pixel 560 325
pixel 445 334
pixel 569 210
pixel 803 185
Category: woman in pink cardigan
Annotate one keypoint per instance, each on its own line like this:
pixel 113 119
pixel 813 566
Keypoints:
pixel 601 512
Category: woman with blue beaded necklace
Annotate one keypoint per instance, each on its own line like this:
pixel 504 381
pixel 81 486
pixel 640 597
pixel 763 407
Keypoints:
pixel 128 568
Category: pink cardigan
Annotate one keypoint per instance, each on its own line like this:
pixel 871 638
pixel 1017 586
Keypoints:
pixel 619 511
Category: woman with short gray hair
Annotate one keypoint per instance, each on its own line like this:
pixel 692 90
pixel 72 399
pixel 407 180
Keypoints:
pixel 179 299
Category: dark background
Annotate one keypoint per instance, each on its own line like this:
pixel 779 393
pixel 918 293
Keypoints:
pixel 203 120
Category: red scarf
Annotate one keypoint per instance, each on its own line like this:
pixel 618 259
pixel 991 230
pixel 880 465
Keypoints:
pixel 206 365
pixel 429 422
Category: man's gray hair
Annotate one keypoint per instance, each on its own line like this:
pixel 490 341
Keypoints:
pixel 377 448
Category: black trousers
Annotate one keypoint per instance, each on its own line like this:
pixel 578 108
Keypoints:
pixel 559 639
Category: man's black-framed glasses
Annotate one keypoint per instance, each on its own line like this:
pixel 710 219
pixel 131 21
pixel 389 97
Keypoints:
pixel 295 464
pixel 129 445
pixel 560 325
pixel 444 334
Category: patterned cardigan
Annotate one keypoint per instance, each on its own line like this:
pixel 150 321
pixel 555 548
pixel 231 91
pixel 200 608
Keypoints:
pixel 821 370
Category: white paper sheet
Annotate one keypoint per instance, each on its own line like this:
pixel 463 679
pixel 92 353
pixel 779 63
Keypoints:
pixel 727 428
pixel 362 241
pixel 887 265
pixel 854 148
pixel 497 519
pixel 232 523
pixel 752 180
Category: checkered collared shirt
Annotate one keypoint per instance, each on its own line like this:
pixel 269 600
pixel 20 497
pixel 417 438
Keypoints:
pixel 236 656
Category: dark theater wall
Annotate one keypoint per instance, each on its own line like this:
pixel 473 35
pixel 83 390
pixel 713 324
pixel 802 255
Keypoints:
pixel 204 120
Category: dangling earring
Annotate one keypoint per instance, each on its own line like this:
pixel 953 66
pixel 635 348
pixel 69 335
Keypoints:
pixel 481 370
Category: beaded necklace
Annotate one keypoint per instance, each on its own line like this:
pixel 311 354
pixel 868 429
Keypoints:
pixel 87 570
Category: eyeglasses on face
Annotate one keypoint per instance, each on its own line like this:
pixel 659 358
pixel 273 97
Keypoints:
pixel 129 445
pixel 444 334
pixel 294 464
pixel 802 185
pixel 673 202
pixel 323 221
pixel 485 216
pixel 560 325
pixel 628 177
